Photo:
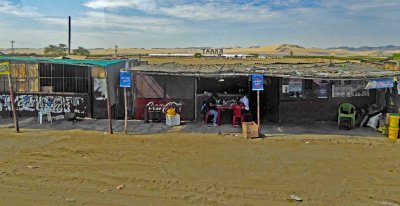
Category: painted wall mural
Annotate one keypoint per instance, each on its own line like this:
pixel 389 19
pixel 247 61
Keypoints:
pixel 183 106
pixel 54 104
pixel 162 107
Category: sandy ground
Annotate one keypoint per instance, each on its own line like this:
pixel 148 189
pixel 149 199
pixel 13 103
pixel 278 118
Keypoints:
pixel 77 167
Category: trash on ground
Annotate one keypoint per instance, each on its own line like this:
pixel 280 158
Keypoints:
pixel 120 187
pixel 70 199
pixel 296 198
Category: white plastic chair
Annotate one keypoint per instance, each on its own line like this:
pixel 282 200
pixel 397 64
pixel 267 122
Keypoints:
pixel 45 111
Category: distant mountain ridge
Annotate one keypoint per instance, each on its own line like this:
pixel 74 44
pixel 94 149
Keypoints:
pixel 369 48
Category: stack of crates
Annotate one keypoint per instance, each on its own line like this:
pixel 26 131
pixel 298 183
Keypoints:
pixel 393 126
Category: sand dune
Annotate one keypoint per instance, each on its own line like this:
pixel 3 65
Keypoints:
pixel 271 50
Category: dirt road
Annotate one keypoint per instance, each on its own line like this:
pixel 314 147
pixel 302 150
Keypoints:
pixel 84 168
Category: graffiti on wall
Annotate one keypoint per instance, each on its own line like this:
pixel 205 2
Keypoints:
pixel 35 103
pixel 5 103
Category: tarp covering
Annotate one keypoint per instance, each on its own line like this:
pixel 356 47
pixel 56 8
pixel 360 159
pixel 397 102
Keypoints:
pixel 102 63
pixel 343 71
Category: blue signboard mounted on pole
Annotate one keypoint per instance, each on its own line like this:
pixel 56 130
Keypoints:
pixel 125 79
pixel 257 82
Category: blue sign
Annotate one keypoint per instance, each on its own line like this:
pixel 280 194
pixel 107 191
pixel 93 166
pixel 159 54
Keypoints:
pixel 125 79
pixel 380 83
pixel 257 82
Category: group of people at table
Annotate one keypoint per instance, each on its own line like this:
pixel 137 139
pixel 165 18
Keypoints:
pixel 212 106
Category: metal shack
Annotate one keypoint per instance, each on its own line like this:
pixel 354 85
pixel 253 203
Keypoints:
pixel 61 85
pixel 293 92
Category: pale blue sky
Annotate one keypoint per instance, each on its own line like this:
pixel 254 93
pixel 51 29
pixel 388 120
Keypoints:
pixel 184 23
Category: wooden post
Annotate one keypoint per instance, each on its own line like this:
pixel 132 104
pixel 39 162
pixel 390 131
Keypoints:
pixel 195 99
pixel 126 111
pixel 108 104
pixel 13 104
pixel 258 108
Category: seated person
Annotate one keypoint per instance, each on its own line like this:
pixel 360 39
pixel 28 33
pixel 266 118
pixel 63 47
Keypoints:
pixel 211 103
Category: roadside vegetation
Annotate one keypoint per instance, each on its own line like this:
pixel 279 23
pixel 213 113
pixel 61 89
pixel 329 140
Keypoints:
pixel 61 50
pixel 396 56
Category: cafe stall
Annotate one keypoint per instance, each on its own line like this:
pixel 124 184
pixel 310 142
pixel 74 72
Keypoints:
pixel 228 88
pixel 292 92
pixel 186 86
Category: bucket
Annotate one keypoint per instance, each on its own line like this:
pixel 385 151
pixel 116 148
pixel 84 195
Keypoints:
pixel 394 120
pixel 393 133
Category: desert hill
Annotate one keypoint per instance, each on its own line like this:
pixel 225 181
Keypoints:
pixel 270 50
pixel 368 48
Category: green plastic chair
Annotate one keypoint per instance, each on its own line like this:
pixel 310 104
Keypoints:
pixel 347 110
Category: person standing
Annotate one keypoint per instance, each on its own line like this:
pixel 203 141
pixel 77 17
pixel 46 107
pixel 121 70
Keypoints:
pixel 245 101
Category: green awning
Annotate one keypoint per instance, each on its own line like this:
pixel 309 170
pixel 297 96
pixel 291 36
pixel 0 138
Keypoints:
pixel 101 62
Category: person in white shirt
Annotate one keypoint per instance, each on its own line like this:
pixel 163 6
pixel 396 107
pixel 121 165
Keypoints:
pixel 245 101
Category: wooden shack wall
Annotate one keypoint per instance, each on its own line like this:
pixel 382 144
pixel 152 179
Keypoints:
pixel 303 110
pixel 160 90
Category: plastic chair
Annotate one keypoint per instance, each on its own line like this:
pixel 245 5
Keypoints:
pixel 347 110
pixel 237 113
pixel 40 116
pixel 45 111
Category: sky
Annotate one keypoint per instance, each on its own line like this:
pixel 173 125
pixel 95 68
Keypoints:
pixel 199 23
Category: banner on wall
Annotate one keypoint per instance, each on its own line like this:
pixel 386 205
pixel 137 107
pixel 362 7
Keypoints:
pixel 323 90
pixel 5 68
pixel 380 83
pixel 99 89
pixel 295 85
pixel 354 89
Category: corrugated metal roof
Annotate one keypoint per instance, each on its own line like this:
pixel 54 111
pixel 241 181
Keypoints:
pixel 304 71
pixel 102 63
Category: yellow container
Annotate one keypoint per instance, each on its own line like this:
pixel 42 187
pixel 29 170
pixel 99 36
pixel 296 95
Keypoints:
pixel 393 133
pixel 394 120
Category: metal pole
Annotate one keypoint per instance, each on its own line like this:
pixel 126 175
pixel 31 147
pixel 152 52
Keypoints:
pixel 12 46
pixel 108 105
pixel 195 99
pixel 69 34
pixel 258 109
pixel 126 111
pixel 13 104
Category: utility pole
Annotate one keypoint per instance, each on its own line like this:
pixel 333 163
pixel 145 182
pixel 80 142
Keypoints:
pixel 69 34
pixel 12 46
